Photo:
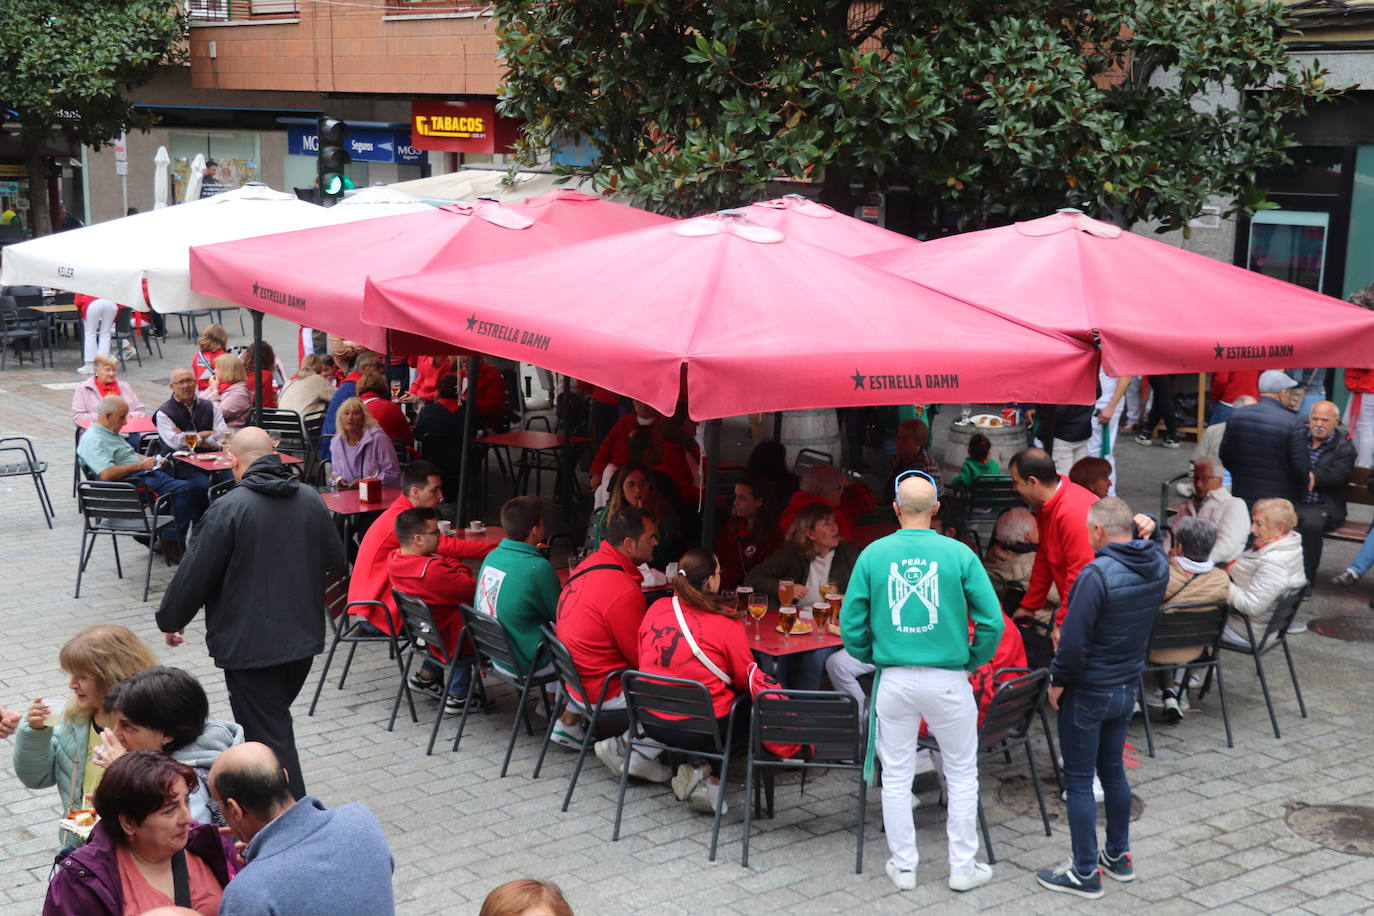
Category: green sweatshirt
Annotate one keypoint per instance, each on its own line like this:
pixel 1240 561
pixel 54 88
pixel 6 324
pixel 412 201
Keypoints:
pixel 518 587
pixel 971 470
pixel 910 599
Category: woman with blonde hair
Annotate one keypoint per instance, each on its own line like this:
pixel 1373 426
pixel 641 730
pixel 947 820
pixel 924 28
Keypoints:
pixel 309 390
pixel 1272 566
pixel 58 750
pixel 213 344
pixel 361 448
pixel 229 388
pixel 634 485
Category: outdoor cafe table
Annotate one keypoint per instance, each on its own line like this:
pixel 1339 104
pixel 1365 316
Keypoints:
pixel 131 425
pixel 530 440
pixel 772 641
pixel 219 461
pixel 50 313
pixel 348 507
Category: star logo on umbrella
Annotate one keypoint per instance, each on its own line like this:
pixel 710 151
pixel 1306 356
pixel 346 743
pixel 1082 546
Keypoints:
pixel 472 322
pixel 255 290
pixel 1218 350
pixel 858 379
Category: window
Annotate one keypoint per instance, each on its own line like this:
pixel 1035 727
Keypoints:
pixel 231 159
pixel 239 10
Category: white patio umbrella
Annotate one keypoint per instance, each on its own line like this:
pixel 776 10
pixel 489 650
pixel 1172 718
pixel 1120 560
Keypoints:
pixel 194 179
pixel 383 196
pixel 161 165
pixel 112 259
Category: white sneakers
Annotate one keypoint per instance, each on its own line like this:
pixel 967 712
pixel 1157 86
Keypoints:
pixel 611 751
pixel 569 736
pixel 977 876
pixel 693 784
pixel 87 369
pixel 903 878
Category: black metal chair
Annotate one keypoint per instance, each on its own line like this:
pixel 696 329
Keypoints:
pixel 650 696
pixel 26 464
pixel 124 333
pixel 570 680
pixel 1275 633
pixel 988 497
pixel 420 634
pixel 1186 626
pixel 827 727
pixel 347 627
pixel 494 658
pixel 1007 726
pixel 809 458
pixel 219 489
pixel 119 509
pixel 14 330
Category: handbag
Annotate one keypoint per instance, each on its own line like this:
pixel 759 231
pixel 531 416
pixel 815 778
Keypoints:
pixel 692 644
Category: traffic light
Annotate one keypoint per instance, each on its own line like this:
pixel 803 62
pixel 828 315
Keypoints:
pixel 333 158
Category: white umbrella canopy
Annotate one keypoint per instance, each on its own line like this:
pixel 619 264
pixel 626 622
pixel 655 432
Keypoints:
pixel 194 179
pixel 161 166
pixel 112 259
pixel 382 201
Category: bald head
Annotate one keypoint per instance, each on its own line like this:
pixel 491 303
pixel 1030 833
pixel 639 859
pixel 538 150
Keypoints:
pixel 1322 421
pixel 916 501
pixel 111 412
pixel 249 444
pixel 250 785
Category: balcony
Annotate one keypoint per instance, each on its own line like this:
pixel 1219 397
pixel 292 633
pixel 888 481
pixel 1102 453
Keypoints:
pixel 221 12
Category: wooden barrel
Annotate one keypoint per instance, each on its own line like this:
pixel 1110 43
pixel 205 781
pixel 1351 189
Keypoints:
pixel 818 430
pixel 1006 441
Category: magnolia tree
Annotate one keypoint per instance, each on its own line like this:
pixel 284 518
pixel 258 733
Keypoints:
pixel 1132 109
pixel 66 68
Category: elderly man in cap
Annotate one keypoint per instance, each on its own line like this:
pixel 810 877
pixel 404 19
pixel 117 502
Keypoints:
pixel 1265 445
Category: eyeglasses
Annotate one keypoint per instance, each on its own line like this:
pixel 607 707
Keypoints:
pixel 897 484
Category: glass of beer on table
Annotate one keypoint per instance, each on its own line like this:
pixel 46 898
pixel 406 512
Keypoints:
pixel 787 618
pixel 192 440
pixel 758 606
pixel 785 588
pixel 821 612
pixel 836 601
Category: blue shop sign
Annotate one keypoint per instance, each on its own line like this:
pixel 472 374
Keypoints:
pixel 365 144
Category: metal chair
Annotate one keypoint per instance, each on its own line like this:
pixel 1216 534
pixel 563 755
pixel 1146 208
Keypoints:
pixel 827 727
pixel 647 698
pixel 570 681
pixel 1275 633
pixel 494 658
pixel 988 497
pixel 1185 626
pixel 218 490
pixel 288 430
pixel 119 509
pixel 347 627
pixel 27 465
pixel 1006 726
pixel 809 458
pixel 420 633
pixel 13 330
pixel 124 333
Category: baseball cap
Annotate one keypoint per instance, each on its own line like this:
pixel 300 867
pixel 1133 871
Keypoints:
pixel 1272 381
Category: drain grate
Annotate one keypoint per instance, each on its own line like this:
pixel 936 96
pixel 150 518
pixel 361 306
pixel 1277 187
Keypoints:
pixel 1018 794
pixel 1349 629
pixel 1344 828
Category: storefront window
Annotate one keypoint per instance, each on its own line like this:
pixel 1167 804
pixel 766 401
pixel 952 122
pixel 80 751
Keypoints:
pixel 1359 267
pixel 1289 245
pixel 231 160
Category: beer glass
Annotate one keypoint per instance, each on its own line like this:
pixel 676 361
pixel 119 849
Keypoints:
pixel 742 596
pixel 787 618
pixel 836 601
pixel 785 587
pixel 758 606
pixel 821 612
pixel 192 440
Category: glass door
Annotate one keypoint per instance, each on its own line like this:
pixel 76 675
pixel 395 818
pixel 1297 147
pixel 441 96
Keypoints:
pixel 1289 245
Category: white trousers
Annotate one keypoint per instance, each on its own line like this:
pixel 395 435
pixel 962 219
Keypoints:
pixel 945 700
pixel 1135 411
pixel 1363 434
pixel 100 321
pixel 844 671
pixel 1102 444
pixel 1066 454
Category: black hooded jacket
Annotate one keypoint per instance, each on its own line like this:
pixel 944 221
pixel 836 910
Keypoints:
pixel 257 564
pixel 1265 449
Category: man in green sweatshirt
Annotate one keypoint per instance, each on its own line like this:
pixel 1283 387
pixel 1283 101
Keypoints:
pixel 907 611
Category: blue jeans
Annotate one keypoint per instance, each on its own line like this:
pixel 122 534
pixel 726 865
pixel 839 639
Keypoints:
pixel 458 687
pixel 1092 734
pixel 1220 413
pixel 1365 558
pixel 187 501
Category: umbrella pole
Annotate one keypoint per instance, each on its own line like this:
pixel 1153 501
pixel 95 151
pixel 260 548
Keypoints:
pixel 388 357
pixel 777 425
pixel 566 484
pixel 257 382
pixel 469 428
pixel 708 513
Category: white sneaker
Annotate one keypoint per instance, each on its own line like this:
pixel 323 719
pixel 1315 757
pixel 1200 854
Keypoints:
pixel 903 878
pixel 129 351
pixel 609 752
pixel 87 369
pixel 1099 796
pixel 707 795
pixel 649 769
pixel 569 736
pixel 977 876
pixel 688 777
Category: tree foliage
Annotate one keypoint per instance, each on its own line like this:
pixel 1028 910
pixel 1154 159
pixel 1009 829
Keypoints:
pixel 991 107
pixel 59 57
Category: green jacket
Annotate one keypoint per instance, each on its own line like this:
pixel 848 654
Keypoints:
pixel 909 603
pixel 518 587
pixel 54 756
pixel 971 470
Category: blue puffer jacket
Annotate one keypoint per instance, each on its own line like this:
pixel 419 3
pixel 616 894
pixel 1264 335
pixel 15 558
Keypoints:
pixel 1265 449
pixel 1112 610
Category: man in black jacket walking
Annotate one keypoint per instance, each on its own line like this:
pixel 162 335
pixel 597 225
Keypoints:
pixel 1265 446
pixel 257 565
pixel 1096 668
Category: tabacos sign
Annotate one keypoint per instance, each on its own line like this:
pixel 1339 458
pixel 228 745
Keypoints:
pixel 460 127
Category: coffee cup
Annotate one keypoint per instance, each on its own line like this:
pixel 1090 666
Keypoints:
pixel 445 527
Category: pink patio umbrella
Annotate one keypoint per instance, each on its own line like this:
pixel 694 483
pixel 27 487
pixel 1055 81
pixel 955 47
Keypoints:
pixel 804 219
pixel 756 319
pixel 315 277
pixel 1159 309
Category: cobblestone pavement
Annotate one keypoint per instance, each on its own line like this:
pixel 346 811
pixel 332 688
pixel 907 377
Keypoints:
pixel 1211 835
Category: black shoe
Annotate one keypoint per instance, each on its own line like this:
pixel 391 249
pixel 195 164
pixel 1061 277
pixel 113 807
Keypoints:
pixel 1345 579
pixel 429 686
pixel 1067 880
pixel 1172 712
pixel 171 550
pixel 1119 868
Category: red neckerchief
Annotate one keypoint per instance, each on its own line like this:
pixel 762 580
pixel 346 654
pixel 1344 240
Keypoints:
pixel 449 404
pixel 225 386
pixel 107 390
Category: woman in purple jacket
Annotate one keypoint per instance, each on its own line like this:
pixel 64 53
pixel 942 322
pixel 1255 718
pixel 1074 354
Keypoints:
pixel 144 836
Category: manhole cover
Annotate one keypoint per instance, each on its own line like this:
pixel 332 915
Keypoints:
pixel 1344 828
pixel 1350 629
pixel 1017 793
